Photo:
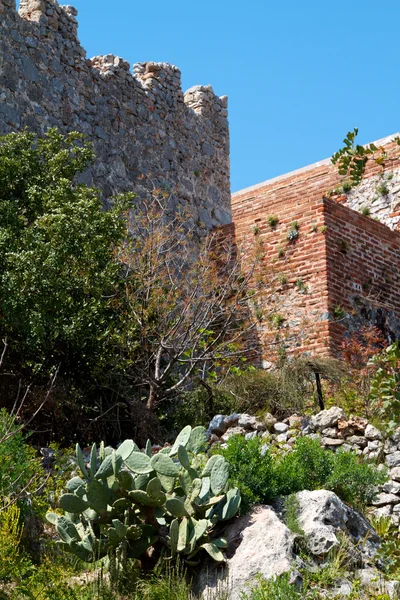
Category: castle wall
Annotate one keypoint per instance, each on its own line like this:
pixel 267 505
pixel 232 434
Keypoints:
pixel 146 133
pixel 341 270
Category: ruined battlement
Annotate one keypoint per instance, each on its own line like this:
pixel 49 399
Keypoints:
pixel 146 132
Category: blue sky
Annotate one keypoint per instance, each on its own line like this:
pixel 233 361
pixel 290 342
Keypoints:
pixel 299 75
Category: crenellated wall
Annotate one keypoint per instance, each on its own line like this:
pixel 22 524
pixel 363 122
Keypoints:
pixel 146 133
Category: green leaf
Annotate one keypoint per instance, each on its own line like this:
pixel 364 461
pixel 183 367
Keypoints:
pixel 176 507
pixel 213 551
pixel 72 503
pixel 164 465
pixel 181 440
pixel 81 461
pixel 197 440
pixel 139 462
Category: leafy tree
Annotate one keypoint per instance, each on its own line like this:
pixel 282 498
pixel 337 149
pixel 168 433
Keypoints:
pixel 58 275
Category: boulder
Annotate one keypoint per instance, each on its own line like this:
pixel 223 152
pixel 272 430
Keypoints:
pixel 268 420
pixel 250 422
pixel 392 487
pixel 327 418
pixel 385 498
pixel 331 442
pixel 258 543
pixel 322 515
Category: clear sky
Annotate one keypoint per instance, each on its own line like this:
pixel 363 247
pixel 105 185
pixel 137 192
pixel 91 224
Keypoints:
pixel 299 75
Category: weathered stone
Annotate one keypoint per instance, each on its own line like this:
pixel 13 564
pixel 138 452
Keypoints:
pixel 331 442
pixel 250 422
pixel 330 432
pixel 250 435
pixel 395 473
pixel 281 427
pixel 375 445
pixel 295 421
pixel 391 487
pixel 218 425
pixel 232 420
pixel 233 431
pixel 327 418
pixel 393 460
pixel 374 581
pixel 322 515
pixel 268 420
pixel 383 499
pixel 259 543
pixel 281 438
pixel 372 433
pixel 357 440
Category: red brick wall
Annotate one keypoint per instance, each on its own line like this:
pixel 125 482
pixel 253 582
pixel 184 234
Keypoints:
pixel 335 249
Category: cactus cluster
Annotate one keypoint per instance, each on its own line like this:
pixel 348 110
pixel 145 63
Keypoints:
pixel 128 500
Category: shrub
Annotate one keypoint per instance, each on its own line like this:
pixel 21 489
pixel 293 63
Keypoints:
pixel 251 470
pixel 307 467
pixel 261 477
pixel 353 480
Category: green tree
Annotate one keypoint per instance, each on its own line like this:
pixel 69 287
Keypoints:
pixel 58 274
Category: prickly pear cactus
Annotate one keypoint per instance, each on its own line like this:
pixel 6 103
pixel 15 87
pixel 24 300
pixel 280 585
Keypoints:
pixel 127 500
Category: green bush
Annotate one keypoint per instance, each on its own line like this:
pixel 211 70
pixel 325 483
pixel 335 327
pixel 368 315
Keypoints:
pixel 18 462
pixel 261 477
pixel 251 470
pixel 307 467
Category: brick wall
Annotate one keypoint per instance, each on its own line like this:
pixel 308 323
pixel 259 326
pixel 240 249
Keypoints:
pixel 340 272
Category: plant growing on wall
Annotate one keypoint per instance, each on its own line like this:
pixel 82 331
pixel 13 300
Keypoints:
pixel 352 158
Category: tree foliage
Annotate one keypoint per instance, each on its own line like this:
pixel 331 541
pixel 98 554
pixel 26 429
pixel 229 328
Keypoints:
pixel 58 275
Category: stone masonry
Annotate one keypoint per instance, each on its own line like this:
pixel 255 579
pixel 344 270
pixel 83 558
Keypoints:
pixel 146 133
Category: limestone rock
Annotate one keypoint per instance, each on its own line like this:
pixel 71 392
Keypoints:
pixel 218 425
pixel 331 442
pixel 395 473
pixel 327 418
pixel 393 460
pixel 372 433
pixel 231 432
pixel 383 499
pixel 260 543
pixel 250 422
pixel 268 420
pixel 281 427
pixel 392 487
pixel 322 515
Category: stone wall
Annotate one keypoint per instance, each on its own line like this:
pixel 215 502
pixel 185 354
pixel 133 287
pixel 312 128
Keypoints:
pixel 340 270
pixel 146 133
pixel 333 430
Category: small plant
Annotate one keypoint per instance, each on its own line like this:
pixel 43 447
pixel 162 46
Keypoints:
pixel 293 232
pixel 291 514
pixel 323 229
pixel 338 313
pixel 343 246
pixel 382 189
pixel 273 221
pixel 282 278
pixel 277 320
pixel 314 228
pixel 281 252
pixel 366 211
pixel 301 286
pixel 277 588
pixel 196 173
pixel 346 186
pixel 352 158
pixel 256 230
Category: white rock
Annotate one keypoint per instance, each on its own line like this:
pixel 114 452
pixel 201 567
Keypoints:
pixel 263 545
pixel 392 487
pixel 395 473
pixel 393 460
pixel 322 515
pixel 327 418
pixel 384 498
pixel 233 431
pixel 372 433
pixel 281 438
pixel 281 427
pixel 330 432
